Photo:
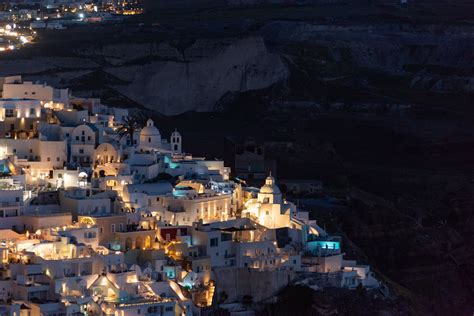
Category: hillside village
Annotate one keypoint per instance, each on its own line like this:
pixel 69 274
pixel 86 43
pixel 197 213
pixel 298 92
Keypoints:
pixel 101 214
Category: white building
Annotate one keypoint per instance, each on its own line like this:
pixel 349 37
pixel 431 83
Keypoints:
pixel 84 138
pixel 17 88
pixel 185 206
pixel 19 108
pixel 268 208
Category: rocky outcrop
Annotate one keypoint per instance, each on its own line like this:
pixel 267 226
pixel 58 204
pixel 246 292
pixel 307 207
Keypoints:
pixel 209 70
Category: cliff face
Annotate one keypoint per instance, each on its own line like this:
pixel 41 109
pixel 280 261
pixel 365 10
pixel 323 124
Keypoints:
pixel 435 58
pixel 159 76
pixel 205 72
pixel 388 46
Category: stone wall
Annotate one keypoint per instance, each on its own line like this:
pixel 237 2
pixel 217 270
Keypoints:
pixel 260 285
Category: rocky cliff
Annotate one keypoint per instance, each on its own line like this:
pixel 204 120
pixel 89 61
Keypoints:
pixel 203 74
pixel 159 76
pixel 436 58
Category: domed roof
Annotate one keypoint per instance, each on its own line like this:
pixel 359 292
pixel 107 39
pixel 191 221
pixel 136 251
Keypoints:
pixel 150 129
pixel 270 187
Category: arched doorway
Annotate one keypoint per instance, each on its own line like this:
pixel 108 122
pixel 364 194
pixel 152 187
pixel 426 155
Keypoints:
pixel 148 242
pixel 138 243
pixel 128 244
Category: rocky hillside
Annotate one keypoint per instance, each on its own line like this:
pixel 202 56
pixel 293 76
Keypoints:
pixel 201 75
pixel 313 53
pixel 437 58
pixel 161 77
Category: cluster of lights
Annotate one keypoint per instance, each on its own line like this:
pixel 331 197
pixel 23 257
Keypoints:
pixel 13 31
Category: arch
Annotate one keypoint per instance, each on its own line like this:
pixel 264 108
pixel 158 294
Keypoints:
pixel 148 242
pixel 128 244
pixel 138 243
pixel 87 220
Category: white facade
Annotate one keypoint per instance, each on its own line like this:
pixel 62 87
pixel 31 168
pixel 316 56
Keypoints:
pixel 185 210
pixel 268 208
pixel 19 108
pixel 83 142
pixel 36 91
pixel 38 157
pixel 150 136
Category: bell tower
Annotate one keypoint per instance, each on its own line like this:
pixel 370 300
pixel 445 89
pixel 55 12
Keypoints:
pixel 176 142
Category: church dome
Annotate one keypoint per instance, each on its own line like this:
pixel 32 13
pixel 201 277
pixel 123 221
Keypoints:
pixel 150 130
pixel 270 187
pixel 150 135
